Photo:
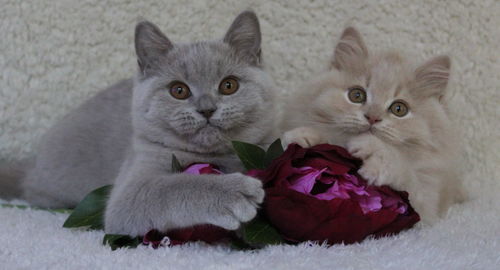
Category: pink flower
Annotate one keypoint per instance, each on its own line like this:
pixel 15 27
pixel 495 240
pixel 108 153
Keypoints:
pixel 202 168
pixel 316 194
pixel 324 184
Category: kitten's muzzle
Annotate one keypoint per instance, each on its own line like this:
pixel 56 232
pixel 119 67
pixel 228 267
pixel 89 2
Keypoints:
pixel 206 106
pixel 372 120
pixel 207 113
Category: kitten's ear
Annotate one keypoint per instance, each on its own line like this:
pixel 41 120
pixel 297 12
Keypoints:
pixel 432 77
pixel 150 45
pixel 244 36
pixel 350 53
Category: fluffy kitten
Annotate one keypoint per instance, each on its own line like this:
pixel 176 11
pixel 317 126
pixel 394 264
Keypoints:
pixel 190 100
pixel 388 113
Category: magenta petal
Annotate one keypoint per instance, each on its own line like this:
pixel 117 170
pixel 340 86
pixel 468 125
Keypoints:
pixel 394 204
pixel 303 170
pixel 201 168
pixel 325 179
pixel 305 183
pixel 371 203
pixel 325 196
pixel 358 190
pixel 335 191
pixel 351 178
pixel 401 209
pixel 195 168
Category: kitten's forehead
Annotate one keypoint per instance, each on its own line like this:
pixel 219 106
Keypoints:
pixel 200 62
pixel 389 74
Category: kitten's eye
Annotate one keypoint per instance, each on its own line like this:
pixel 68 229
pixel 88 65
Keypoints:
pixel 357 94
pixel 399 108
pixel 229 86
pixel 180 90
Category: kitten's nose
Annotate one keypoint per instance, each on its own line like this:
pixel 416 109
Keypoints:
pixel 372 120
pixel 207 113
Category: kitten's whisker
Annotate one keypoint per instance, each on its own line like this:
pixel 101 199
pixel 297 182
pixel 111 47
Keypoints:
pixel 386 132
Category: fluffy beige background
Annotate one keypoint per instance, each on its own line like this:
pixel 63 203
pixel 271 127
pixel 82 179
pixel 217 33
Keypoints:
pixel 55 54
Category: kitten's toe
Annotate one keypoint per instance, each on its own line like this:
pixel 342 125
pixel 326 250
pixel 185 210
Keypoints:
pixel 244 209
pixel 359 149
pixel 370 175
pixel 228 222
pixel 253 190
pixel 303 136
pixel 373 172
pixel 234 209
pixel 238 202
pixel 288 139
pixel 249 187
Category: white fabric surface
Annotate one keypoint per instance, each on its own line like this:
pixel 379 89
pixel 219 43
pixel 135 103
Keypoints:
pixel 55 54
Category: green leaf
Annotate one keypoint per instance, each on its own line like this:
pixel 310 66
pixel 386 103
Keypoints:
pixel 251 155
pixel 275 150
pixel 90 211
pixel 239 244
pixel 259 232
pixel 118 241
pixel 176 165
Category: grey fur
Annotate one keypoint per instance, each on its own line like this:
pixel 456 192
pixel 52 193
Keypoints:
pixel 10 173
pixel 126 136
pixel 244 35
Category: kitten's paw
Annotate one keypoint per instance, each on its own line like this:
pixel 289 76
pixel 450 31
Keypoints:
pixel 238 202
pixel 374 171
pixel 303 136
pixel 360 147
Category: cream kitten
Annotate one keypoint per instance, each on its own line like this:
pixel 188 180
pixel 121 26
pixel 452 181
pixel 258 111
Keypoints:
pixel 388 113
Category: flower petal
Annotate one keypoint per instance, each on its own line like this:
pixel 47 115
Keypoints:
pixel 305 183
pixel 201 168
pixel 369 203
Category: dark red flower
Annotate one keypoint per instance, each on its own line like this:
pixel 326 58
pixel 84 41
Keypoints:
pixel 317 194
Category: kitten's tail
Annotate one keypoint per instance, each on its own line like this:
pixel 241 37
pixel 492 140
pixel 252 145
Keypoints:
pixel 11 174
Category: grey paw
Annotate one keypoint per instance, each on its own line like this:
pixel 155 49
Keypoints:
pixel 239 201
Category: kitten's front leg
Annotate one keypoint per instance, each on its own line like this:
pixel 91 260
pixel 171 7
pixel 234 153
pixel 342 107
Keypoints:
pixel 144 201
pixel 303 136
pixel 380 161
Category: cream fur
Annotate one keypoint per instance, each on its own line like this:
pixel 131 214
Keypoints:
pixel 419 152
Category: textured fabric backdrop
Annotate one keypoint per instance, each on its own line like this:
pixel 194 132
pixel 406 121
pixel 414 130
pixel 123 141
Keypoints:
pixel 55 54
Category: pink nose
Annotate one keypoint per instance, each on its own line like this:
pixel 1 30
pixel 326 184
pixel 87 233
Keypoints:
pixel 372 120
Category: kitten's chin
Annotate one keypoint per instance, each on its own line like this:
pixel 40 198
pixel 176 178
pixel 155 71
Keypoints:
pixel 356 130
pixel 369 130
pixel 376 132
pixel 208 136
pixel 363 130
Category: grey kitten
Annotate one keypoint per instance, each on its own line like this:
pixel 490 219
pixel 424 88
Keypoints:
pixel 190 100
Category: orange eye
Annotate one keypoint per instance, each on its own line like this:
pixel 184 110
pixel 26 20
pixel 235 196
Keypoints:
pixel 229 86
pixel 180 90
pixel 399 108
pixel 357 94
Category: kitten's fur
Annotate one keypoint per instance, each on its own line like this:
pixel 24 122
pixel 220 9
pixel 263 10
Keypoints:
pixel 417 153
pixel 126 136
